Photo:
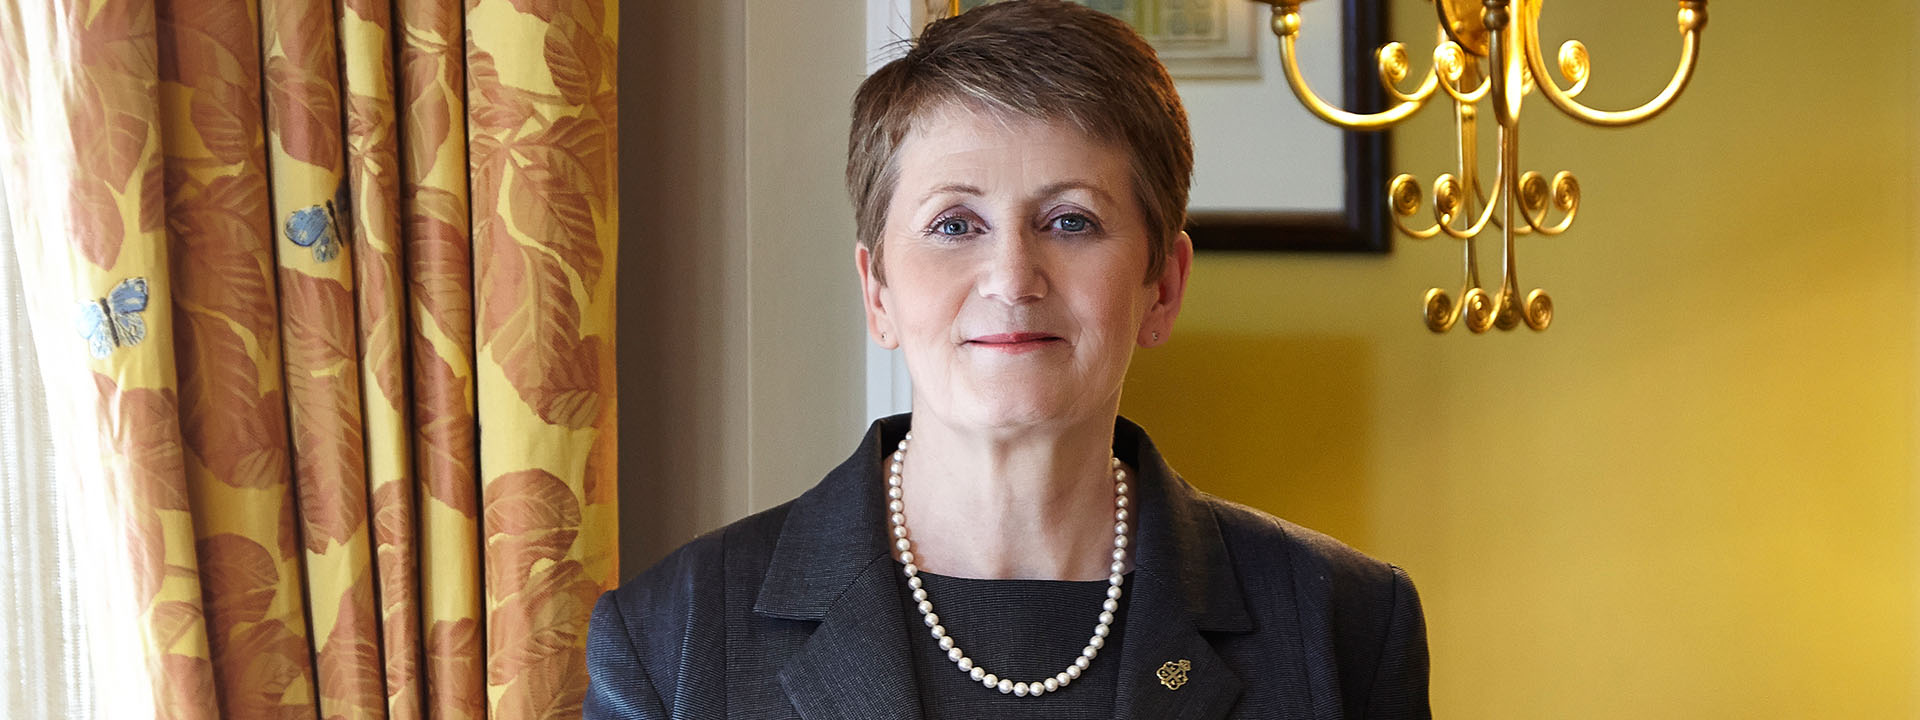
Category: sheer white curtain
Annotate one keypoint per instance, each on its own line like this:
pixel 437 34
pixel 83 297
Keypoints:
pixel 42 668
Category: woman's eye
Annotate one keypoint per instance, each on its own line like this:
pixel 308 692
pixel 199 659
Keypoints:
pixel 1072 223
pixel 953 226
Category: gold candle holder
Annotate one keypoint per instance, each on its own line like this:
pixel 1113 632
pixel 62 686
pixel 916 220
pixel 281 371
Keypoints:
pixel 1487 51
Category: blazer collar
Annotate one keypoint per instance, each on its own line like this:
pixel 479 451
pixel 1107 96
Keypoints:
pixel 831 565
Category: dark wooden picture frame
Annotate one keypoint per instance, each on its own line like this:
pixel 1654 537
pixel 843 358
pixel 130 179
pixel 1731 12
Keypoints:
pixel 1362 227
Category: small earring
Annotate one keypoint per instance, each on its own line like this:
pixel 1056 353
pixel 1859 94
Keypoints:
pixel 1156 336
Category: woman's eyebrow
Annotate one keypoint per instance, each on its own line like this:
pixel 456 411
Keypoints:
pixel 1057 188
pixel 952 189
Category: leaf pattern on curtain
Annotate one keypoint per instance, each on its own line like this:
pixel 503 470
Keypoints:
pixel 233 409
pixel 306 156
pixel 373 172
pixel 440 285
pixel 545 213
pixel 317 247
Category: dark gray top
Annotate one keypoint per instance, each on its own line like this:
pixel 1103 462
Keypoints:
pixel 1021 629
pixel 794 613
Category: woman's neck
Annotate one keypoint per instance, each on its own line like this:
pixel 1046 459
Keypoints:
pixel 1033 505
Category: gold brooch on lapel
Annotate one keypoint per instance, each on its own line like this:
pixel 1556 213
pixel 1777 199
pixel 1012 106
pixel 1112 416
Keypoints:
pixel 1174 674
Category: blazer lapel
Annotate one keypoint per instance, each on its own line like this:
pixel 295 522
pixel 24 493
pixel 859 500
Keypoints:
pixel 855 664
pixel 831 565
pixel 1183 584
pixel 1199 683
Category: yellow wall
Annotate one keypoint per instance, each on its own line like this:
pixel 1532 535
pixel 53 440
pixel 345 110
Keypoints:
pixel 1694 496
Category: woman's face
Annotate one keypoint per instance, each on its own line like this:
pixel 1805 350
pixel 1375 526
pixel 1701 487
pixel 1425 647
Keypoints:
pixel 1015 265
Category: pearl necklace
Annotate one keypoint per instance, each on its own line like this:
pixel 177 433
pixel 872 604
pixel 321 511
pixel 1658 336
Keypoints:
pixel 904 546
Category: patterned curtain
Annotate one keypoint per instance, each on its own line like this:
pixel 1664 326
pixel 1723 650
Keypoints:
pixel 323 298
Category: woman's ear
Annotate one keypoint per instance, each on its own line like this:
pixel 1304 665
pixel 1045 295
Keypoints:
pixel 1169 289
pixel 873 299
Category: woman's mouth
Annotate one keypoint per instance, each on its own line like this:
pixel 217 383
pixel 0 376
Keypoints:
pixel 1015 343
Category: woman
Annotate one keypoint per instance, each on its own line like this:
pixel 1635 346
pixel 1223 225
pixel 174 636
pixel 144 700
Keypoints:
pixel 1012 548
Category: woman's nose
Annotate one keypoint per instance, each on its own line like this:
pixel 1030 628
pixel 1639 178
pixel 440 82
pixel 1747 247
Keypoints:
pixel 1015 271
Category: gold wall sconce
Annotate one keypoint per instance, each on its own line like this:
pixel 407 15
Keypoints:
pixel 1487 51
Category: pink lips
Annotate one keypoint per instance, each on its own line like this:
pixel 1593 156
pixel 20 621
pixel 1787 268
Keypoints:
pixel 1014 343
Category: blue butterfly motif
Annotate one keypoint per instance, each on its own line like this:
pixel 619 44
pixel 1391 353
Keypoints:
pixel 316 227
pixel 114 321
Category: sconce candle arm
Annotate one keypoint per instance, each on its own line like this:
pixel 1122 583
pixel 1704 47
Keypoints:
pixel 1693 19
pixel 1286 25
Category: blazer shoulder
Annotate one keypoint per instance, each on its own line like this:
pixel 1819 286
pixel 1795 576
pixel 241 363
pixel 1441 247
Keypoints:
pixel 668 606
pixel 1253 535
pixel 707 562
pixel 1368 609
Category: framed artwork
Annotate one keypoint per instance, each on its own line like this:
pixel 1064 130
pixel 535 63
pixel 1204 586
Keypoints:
pixel 1268 176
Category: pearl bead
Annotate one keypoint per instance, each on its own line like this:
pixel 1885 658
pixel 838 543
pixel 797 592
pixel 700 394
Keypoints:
pixel 897 508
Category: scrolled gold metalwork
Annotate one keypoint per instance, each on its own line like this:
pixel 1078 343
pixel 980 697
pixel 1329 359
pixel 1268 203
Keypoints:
pixel 1479 310
pixel 1394 66
pixel 1575 65
pixel 1692 19
pixel 1539 309
pixel 1487 50
pixel 1286 24
pixel 1535 196
pixel 1451 63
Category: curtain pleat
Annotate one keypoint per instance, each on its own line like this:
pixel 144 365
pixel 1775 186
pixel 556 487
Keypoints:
pixel 541 106
pixel 373 174
pixel 283 263
pixel 227 315
pixel 439 256
pixel 86 144
pixel 311 207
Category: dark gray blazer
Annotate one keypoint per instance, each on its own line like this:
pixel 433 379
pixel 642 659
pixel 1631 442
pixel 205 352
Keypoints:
pixel 795 612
